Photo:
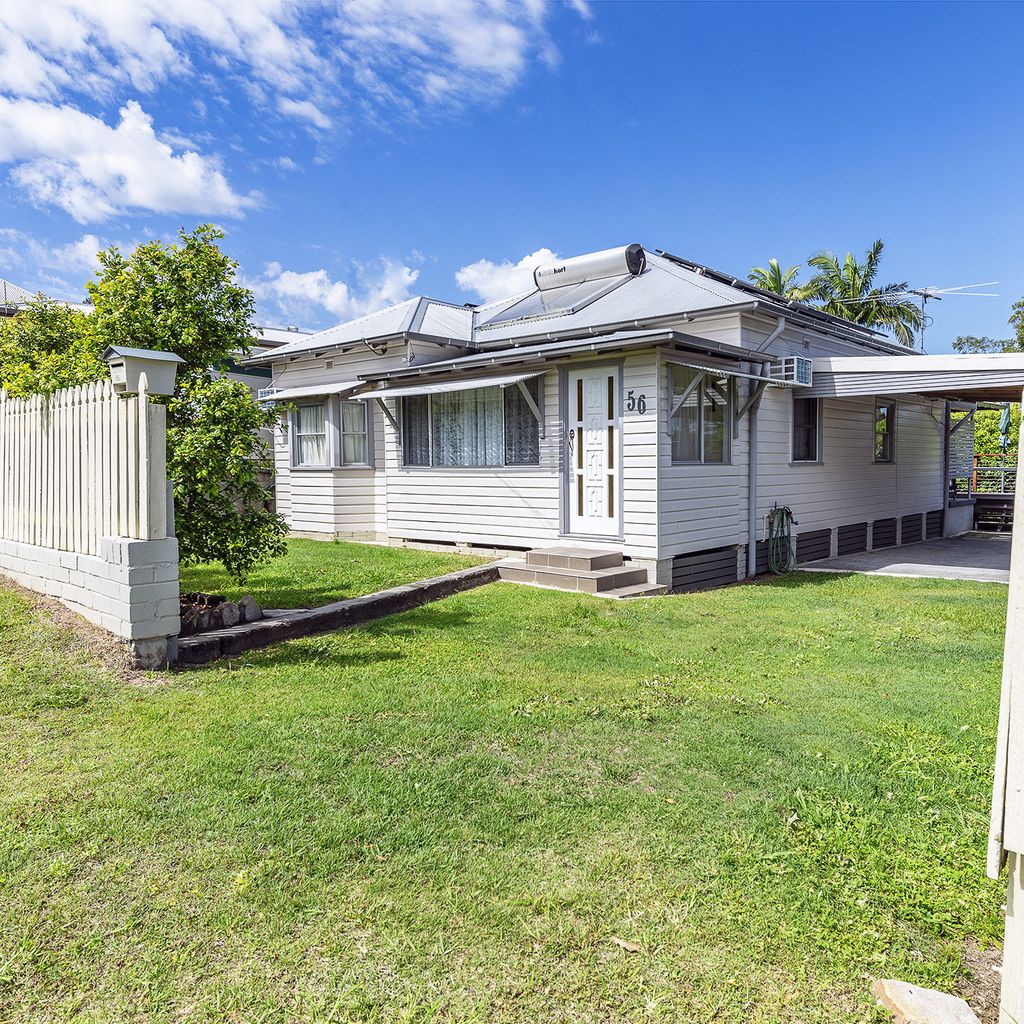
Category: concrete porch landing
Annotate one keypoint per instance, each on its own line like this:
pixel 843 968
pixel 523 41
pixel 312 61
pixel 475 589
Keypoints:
pixel 984 557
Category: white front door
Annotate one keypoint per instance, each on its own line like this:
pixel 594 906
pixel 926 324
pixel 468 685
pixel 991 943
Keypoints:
pixel 593 476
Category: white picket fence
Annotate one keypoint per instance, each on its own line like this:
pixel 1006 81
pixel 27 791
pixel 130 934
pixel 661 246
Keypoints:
pixel 79 465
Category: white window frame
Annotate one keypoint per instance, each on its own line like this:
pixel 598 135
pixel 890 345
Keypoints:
pixel 818 432
pixel 730 418
pixel 294 418
pixel 891 432
pixel 367 432
pixel 429 465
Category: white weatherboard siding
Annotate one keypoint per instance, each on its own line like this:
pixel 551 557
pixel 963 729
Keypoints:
pixel 700 507
pixel 640 456
pixel 336 501
pixel 517 506
pixel 521 506
pixel 848 486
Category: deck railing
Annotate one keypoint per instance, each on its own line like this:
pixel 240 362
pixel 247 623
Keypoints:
pixel 994 473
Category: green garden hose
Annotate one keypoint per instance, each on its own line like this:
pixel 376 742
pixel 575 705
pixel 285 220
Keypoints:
pixel 781 556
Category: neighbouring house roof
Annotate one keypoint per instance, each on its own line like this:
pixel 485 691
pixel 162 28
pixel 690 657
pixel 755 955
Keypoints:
pixel 667 289
pixel 972 378
pixel 13 294
pixel 276 337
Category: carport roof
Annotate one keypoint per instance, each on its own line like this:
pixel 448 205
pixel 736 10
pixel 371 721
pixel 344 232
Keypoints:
pixel 970 378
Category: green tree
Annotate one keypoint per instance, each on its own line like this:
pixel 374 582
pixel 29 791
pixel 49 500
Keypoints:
pixel 47 347
pixel 782 282
pixel 970 344
pixel 175 298
pixel 847 289
pixel 215 457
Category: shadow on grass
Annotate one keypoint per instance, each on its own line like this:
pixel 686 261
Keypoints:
pixel 329 647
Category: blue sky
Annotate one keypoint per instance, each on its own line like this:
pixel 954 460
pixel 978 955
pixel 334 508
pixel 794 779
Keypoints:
pixel 357 154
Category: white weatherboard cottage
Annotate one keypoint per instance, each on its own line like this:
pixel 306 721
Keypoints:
pixel 633 403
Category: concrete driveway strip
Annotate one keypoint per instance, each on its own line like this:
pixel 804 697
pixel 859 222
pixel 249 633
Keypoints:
pixel 983 557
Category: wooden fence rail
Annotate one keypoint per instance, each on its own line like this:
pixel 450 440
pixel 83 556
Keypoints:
pixel 79 465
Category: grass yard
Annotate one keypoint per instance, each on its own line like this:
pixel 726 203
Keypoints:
pixel 514 805
pixel 316 572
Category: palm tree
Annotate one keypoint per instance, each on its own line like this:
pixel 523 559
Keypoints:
pixel 848 290
pixel 774 279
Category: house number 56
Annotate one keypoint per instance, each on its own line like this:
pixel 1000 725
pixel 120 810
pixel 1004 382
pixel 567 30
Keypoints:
pixel 635 402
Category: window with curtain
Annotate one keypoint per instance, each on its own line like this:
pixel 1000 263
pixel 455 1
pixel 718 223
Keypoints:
pixel 355 446
pixel 702 423
pixel 481 427
pixel 806 420
pixel 885 432
pixel 310 435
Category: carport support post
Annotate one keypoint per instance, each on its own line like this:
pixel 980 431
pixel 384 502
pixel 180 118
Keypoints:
pixel 1011 1006
pixel 1007 828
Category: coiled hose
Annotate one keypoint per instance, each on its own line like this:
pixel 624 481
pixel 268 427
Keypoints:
pixel 781 556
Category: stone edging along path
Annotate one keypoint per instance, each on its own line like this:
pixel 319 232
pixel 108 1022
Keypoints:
pixel 201 648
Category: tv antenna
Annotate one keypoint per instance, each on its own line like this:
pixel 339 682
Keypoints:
pixel 930 293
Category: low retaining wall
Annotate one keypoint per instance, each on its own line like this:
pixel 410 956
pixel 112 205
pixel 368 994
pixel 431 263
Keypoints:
pixel 130 588
pixel 289 625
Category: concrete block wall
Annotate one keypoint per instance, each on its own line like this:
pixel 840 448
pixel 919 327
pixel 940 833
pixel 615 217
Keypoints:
pixel 130 588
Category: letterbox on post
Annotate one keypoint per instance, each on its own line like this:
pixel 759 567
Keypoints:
pixel 127 365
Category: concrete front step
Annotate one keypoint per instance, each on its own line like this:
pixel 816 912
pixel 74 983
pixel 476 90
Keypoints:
pixel 587 581
pixel 637 590
pixel 584 559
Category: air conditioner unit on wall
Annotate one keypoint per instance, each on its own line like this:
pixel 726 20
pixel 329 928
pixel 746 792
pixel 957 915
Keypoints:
pixel 795 370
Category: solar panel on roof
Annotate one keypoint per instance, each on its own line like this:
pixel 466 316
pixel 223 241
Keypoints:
pixel 556 301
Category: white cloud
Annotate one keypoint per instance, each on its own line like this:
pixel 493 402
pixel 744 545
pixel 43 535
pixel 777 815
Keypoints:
pixel 91 46
pixel 305 295
pixel 304 110
pixel 70 159
pixel 490 281
pixel 19 249
pixel 312 63
pixel 456 52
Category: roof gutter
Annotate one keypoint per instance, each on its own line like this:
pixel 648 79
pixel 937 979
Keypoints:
pixel 507 356
pixel 434 339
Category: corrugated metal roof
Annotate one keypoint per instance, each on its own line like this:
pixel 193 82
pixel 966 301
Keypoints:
pixel 385 323
pixel 668 287
pixel 443 320
pixel 278 337
pixel 998 377
pixel 662 289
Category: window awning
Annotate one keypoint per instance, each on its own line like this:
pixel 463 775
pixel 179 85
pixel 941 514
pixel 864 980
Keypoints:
pixel 721 371
pixel 970 378
pixel 313 391
pixel 440 387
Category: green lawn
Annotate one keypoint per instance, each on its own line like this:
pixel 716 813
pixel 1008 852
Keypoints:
pixel 778 792
pixel 316 572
